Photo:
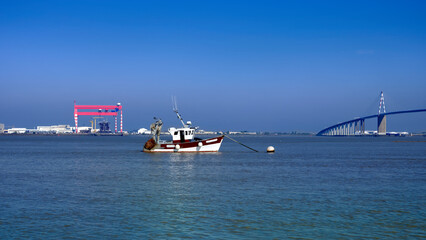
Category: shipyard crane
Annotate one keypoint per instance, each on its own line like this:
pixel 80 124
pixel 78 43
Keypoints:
pixel 94 119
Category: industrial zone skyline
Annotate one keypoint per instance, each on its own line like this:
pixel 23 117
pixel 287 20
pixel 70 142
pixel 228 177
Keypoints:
pixel 351 127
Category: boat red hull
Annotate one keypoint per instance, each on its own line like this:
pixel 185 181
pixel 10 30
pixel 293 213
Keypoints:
pixel 205 145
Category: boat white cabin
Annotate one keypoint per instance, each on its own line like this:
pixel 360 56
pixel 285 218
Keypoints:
pixel 184 134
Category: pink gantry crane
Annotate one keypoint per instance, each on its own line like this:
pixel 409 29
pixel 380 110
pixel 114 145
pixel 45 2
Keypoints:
pixel 102 110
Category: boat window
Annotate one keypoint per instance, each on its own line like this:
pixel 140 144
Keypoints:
pixel 186 132
pixel 176 133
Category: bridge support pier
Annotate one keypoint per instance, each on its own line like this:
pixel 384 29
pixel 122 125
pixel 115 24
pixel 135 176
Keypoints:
pixel 381 124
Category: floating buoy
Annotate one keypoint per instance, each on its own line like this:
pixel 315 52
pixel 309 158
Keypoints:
pixel 270 149
pixel 177 147
pixel 200 144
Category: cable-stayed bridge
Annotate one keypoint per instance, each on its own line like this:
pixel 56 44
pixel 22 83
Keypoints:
pixel 357 126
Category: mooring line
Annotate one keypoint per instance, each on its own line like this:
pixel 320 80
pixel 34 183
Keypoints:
pixel 241 143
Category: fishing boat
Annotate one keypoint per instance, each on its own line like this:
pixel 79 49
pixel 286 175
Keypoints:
pixel 183 139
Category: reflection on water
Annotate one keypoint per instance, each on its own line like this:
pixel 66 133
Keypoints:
pixel 181 171
pixel 181 157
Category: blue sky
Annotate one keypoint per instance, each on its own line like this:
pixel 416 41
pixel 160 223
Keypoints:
pixel 233 65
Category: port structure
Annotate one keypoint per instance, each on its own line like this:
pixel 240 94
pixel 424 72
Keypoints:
pixel 357 126
pixel 102 110
pixel 93 122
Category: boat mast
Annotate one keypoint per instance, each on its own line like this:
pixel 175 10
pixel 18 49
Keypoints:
pixel 175 109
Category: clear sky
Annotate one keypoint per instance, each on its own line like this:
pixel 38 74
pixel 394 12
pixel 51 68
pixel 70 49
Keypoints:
pixel 232 65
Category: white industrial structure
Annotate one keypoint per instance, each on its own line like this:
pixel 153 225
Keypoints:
pixel 84 129
pixel 144 131
pixel 55 129
pixel 16 130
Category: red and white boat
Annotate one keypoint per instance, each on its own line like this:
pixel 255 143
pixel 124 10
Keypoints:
pixel 183 139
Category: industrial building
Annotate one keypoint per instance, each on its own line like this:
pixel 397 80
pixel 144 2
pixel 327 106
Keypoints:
pixel 55 129
pixel 16 130
pixel 144 131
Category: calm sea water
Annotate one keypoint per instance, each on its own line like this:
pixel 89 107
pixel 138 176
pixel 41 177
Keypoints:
pixel 312 188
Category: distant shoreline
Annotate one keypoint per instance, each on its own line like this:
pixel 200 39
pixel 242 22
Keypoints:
pixel 245 135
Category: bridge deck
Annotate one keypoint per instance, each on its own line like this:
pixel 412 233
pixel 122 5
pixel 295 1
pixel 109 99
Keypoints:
pixel 321 133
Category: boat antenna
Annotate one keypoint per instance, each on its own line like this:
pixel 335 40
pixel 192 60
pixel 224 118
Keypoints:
pixel 175 109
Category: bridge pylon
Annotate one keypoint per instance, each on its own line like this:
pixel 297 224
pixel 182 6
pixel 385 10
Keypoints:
pixel 381 117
